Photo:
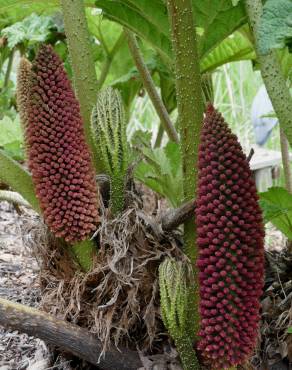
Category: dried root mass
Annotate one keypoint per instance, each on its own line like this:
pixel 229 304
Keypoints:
pixel 119 298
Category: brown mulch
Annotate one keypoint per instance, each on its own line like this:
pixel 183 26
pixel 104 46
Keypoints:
pixel 18 283
pixel 275 349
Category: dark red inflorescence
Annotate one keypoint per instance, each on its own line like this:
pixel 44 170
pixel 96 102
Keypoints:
pixel 231 252
pixel 59 158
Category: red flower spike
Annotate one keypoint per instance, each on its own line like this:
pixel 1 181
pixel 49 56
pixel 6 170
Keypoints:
pixel 59 158
pixel 233 246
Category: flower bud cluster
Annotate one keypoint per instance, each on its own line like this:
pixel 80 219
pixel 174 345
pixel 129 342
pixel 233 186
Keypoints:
pixel 230 241
pixel 59 158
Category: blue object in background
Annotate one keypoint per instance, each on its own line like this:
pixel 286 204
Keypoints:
pixel 261 107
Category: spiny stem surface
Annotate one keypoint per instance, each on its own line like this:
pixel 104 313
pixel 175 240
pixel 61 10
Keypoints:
pixel 271 73
pixel 84 76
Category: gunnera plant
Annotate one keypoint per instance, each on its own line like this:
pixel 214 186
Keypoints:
pixel 230 241
pixel 59 158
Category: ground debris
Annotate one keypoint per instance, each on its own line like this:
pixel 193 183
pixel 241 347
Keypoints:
pixel 275 348
pixel 18 283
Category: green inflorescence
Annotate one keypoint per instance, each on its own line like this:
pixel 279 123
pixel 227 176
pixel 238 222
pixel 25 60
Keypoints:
pixel 176 289
pixel 108 126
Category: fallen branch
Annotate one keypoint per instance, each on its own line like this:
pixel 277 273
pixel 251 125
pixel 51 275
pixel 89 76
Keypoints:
pixel 175 217
pixel 69 337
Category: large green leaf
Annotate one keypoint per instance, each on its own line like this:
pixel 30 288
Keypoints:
pixel 148 19
pixel 126 15
pixel 275 30
pixel 277 207
pixel 32 29
pixel 216 18
pixel 234 48
pixel 154 11
pixel 222 13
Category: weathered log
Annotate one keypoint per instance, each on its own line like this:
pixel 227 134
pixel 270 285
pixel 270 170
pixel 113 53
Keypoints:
pixel 68 337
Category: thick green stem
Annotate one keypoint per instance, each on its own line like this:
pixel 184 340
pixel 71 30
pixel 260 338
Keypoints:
pixel 117 194
pixel 150 87
pixel 82 62
pixel 84 252
pixel 286 161
pixel 8 70
pixel 190 117
pixel 271 73
pixel 189 104
pixel 187 353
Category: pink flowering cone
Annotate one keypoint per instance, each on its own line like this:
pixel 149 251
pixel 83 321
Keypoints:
pixel 59 158
pixel 231 250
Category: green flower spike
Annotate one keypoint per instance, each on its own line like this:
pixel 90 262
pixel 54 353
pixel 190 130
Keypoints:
pixel 176 287
pixel 108 127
